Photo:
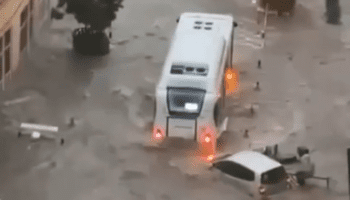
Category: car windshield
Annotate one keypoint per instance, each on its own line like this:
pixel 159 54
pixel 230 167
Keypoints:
pixel 274 176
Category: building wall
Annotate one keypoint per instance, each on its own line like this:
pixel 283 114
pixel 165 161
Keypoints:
pixel 16 17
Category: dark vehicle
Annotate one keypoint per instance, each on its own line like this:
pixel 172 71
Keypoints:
pixel 266 7
pixel 333 11
pixel 281 6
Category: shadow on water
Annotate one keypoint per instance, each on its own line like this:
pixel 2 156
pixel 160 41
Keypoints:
pixel 82 62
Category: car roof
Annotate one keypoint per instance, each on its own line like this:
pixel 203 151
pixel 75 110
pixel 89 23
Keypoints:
pixel 254 161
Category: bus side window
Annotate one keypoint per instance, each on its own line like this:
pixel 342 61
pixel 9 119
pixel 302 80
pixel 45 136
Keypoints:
pixel 227 63
pixel 217 113
pixel 155 109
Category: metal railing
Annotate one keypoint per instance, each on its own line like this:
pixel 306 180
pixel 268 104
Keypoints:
pixel 315 177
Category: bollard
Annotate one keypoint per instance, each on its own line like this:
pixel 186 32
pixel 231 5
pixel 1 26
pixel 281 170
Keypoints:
pixel 19 134
pixel 259 64
pixel 246 134
pixel 327 183
pixel 275 148
pixel 257 87
pixel 252 110
pixel 349 169
pixel 62 141
pixel 72 122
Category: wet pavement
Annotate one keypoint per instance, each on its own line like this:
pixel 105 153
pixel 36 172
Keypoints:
pixel 103 157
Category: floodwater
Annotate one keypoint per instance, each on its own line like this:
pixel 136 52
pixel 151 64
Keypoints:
pixel 103 156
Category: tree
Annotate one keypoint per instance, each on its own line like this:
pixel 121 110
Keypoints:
pixel 95 14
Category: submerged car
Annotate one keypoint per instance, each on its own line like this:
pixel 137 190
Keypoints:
pixel 253 173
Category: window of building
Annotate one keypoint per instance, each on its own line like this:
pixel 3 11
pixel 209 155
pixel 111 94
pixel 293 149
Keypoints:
pixel 24 28
pixel 1 38
pixel 0 68
pixel 7 51
pixel 23 37
pixel 7 60
pixel 31 25
pixel 8 37
pixel 31 5
pixel 24 15
pixel 31 20
pixel 0 45
pixel 41 10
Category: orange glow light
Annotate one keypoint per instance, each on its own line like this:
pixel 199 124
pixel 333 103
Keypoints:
pixel 158 133
pixel 232 81
pixel 207 142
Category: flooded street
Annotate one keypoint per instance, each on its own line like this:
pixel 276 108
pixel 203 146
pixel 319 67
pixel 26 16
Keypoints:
pixel 304 90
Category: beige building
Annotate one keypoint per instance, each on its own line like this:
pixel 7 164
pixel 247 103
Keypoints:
pixel 20 22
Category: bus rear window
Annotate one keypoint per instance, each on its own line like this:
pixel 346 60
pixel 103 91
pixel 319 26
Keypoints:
pixel 179 97
pixel 274 176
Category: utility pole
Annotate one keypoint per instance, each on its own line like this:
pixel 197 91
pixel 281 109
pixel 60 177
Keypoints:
pixel 349 170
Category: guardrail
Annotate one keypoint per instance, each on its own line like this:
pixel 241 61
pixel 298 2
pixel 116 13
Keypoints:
pixel 316 177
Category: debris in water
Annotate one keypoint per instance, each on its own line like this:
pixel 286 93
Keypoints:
pixel 35 135
pixel 127 175
pixel 148 57
pixel 122 42
pixel 165 197
pixel 87 94
pixel 257 86
pixel 17 101
pixel 246 134
pixel 163 38
pixel 72 122
pixel 150 34
pixel 45 165
pixel 123 91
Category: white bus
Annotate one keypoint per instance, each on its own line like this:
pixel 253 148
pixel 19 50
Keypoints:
pixel 191 91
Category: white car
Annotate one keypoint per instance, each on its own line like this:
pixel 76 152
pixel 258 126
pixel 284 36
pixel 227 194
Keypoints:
pixel 253 173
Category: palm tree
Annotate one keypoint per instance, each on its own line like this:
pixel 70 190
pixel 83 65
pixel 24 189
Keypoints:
pixel 96 15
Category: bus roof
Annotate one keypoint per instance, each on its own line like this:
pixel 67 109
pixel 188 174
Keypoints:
pixel 199 42
pixel 197 47
pixel 226 17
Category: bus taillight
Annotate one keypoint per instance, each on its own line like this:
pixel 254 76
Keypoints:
pixel 210 158
pixel 158 133
pixel 207 143
pixel 207 139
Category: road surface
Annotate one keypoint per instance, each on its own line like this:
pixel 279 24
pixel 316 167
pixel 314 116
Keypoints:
pixel 103 157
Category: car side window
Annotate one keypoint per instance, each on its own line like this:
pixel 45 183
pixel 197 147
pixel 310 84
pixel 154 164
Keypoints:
pixel 236 170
